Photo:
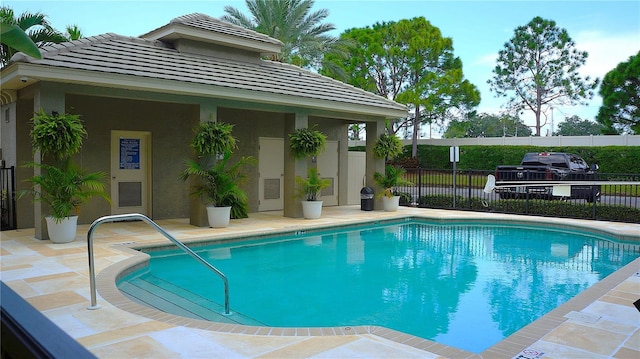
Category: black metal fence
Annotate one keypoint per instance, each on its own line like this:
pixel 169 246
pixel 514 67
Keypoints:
pixel 7 198
pixel 465 191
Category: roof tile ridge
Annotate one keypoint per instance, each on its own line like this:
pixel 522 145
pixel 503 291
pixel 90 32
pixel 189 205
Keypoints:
pixel 55 49
pixel 257 34
pixel 317 75
pixel 52 50
pixel 200 16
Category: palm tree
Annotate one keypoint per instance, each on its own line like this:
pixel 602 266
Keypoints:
pixel 73 32
pixel 304 35
pixel 14 37
pixel 35 25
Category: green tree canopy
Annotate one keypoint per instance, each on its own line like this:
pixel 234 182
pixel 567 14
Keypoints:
pixel 34 25
pixel 373 64
pixel 487 125
pixel 538 68
pixel 435 88
pixel 303 33
pixel 620 91
pixel 575 126
pixel 412 63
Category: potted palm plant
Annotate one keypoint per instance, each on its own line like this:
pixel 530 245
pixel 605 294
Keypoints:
pixel 219 187
pixel 63 186
pixel 215 184
pixel 388 146
pixel 309 189
pixel 392 177
pixel 64 189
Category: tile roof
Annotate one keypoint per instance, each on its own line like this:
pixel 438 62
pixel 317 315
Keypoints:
pixel 205 22
pixel 278 83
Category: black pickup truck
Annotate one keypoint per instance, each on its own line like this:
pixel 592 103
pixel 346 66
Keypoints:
pixel 548 166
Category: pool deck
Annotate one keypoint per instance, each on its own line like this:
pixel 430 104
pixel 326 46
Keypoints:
pixel 599 323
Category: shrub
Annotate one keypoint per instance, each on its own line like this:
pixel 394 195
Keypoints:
pixel 611 159
pixel 535 207
pixel 439 201
pixel 405 198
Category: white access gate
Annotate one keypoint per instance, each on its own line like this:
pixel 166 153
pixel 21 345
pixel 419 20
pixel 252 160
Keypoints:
pixel 357 176
pixel 328 169
pixel 270 174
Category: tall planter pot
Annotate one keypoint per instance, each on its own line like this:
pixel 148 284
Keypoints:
pixel 62 230
pixel 218 216
pixel 390 204
pixel 312 209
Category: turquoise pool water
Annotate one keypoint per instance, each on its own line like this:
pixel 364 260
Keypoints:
pixel 468 285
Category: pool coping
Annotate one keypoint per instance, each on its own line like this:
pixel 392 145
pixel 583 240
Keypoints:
pixel 508 347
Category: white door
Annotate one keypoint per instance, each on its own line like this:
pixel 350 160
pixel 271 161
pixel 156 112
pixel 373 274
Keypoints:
pixel 130 172
pixel 328 168
pixel 271 174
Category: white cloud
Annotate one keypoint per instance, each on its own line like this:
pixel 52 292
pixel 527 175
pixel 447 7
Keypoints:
pixel 606 51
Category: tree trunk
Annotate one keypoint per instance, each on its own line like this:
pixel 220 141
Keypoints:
pixel 414 136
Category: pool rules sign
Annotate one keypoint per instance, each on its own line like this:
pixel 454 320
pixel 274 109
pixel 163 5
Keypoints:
pixel 129 154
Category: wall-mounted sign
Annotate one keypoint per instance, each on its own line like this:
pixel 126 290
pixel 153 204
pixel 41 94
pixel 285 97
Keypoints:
pixel 129 153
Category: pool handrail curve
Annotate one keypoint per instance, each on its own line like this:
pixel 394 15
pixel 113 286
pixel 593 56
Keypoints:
pixel 130 216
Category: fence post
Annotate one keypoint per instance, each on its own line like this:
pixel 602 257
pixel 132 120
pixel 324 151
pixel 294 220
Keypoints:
pixel 526 205
pixel 419 187
pixel 470 187
pixel 593 212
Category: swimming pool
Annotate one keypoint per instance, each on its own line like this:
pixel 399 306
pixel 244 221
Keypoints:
pixel 454 283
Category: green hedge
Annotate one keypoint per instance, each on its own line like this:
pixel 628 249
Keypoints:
pixel 536 207
pixel 611 159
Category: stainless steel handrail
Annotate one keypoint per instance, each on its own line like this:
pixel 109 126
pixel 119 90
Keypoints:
pixel 122 217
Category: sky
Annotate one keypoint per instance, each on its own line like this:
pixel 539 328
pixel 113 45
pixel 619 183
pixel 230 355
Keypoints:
pixel 608 30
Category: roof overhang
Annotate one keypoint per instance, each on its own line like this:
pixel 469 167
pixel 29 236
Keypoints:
pixel 174 31
pixel 20 75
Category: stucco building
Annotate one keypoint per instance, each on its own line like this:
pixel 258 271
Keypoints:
pixel 146 94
